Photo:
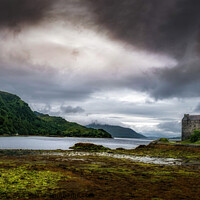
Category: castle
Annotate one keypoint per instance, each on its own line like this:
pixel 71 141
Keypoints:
pixel 189 124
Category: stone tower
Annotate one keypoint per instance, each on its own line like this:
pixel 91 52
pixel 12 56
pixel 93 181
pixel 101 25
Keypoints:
pixel 189 124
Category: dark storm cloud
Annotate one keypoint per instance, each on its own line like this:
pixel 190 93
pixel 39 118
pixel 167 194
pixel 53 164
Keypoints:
pixel 161 26
pixel 169 27
pixel 181 81
pixel 16 13
pixel 70 109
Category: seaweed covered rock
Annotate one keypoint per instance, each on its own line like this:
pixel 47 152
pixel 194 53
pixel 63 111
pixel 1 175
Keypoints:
pixel 89 147
pixel 160 141
pixel 141 146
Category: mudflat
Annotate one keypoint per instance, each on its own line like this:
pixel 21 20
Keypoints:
pixel 78 174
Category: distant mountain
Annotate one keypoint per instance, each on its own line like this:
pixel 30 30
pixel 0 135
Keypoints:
pixel 16 117
pixel 117 131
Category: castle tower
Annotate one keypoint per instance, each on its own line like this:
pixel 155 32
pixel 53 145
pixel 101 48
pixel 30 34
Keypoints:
pixel 189 124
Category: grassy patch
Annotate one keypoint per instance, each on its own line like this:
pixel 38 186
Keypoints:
pixel 25 182
pixel 163 140
pixel 189 142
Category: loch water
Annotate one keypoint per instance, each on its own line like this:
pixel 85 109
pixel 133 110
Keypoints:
pixel 53 143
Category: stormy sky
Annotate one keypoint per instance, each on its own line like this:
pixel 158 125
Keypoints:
pixel 134 63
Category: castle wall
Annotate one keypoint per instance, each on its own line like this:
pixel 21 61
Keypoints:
pixel 188 126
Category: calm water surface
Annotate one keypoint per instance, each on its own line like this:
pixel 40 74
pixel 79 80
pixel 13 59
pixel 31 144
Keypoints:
pixel 52 143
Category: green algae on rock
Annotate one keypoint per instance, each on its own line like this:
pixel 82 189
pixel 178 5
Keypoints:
pixel 89 146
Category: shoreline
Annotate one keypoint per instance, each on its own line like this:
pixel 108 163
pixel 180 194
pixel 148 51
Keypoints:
pixel 153 150
pixel 148 139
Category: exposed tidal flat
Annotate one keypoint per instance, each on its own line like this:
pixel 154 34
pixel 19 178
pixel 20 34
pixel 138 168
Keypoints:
pixel 101 173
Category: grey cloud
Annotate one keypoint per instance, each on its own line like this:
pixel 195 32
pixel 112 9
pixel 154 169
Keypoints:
pixel 167 27
pixel 70 109
pixel 154 25
pixel 180 81
pixel 161 26
pixel 197 108
pixel 158 134
pixel 45 109
pixel 38 85
pixel 58 110
pixel 16 13
pixel 166 129
pixel 172 126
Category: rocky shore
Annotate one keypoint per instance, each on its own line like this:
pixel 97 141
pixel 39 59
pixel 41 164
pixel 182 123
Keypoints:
pixel 155 171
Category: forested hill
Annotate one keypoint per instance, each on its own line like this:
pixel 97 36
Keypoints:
pixel 117 131
pixel 16 117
